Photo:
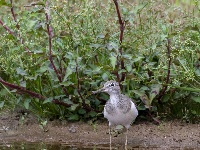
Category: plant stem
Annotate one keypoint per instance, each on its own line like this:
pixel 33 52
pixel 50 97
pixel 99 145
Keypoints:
pixel 168 71
pixel 122 27
pixel 22 89
pixel 50 35
pixel 32 94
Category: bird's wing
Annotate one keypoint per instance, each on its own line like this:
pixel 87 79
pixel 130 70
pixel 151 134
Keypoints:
pixel 109 108
pixel 125 105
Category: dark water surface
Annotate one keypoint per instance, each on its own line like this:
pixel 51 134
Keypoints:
pixel 60 146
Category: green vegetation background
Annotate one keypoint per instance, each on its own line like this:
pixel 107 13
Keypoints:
pixel 54 53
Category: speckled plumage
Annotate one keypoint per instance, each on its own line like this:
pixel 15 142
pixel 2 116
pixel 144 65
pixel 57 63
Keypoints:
pixel 119 109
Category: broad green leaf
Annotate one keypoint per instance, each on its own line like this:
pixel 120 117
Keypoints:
pixel 155 91
pixel 74 106
pixel 96 70
pixel 1 104
pixel 166 98
pixel 113 61
pixel 73 117
pixel 48 100
pixel 196 99
pixel 138 58
pixel 112 45
pixel 81 111
pixel 129 68
pixel 21 71
pixel 139 93
pixel 23 83
pixel 143 97
pixel 31 23
pixel 95 45
pixel 4 3
pixel 101 36
pixel 154 46
pixel 92 113
pixel 42 69
pixel 4 92
pixel 26 103
pixel 67 74
pixel 66 100
pixel 67 83
pixel 105 76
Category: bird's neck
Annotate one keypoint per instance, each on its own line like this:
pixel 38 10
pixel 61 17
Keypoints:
pixel 114 97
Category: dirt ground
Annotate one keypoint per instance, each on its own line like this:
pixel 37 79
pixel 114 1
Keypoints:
pixel 168 135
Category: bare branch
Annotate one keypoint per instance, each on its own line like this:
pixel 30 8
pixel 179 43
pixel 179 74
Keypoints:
pixel 122 27
pixel 168 71
pixel 22 89
pixel 17 25
pixel 7 29
pixel 32 94
pixel 50 35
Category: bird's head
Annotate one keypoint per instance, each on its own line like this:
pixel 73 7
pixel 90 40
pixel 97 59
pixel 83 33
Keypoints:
pixel 110 87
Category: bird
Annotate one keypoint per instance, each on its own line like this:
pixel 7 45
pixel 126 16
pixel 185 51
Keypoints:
pixel 119 109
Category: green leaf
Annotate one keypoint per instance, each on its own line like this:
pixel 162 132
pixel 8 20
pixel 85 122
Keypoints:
pixel 74 117
pixel 105 76
pixel 48 100
pixel 196 99
pixel 74 106
pixel 1 104
pixel 68 73
pixel 138 58
pixel 23 83
pixel 165 98
pixel 92 113
pixel 112 45
pixel 42 69
pixel 113 61
pixel 81 111
pixel 101 36
pixel 26 103
pixel 155 91
pixel 143 97
pixel 4 92
pixel 4 3
pixel 67 83
pixel 31 23
pixel 21 71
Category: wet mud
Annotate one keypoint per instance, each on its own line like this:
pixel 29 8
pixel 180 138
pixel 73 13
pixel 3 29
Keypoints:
pixel 168 135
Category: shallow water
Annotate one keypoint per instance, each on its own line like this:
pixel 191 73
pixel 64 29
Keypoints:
pixel 60 146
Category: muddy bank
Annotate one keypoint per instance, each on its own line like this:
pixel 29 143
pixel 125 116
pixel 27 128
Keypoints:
pixel 171 134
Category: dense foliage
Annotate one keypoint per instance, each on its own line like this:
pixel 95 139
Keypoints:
pixel 54 53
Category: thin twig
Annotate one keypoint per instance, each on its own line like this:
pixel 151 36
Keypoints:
pixel 22 89
pixel 50 35
pixel 154 119
pixel 7 29
pixel 13 14
pixel 55 101
pixel 13 34
pixel 17 25
pixel 168 71
pixel 32 94
pixel 122 27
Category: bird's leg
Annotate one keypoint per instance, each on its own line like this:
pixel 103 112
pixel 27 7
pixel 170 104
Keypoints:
pixel 110 137
pixel 126 137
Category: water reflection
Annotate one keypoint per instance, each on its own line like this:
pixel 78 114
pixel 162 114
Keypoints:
pixel 50 146
pixel 71 146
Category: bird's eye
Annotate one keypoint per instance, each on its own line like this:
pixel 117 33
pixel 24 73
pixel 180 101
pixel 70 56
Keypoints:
pixel 112 84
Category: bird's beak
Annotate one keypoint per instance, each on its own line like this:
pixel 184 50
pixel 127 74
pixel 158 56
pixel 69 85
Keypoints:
pixel 98 91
